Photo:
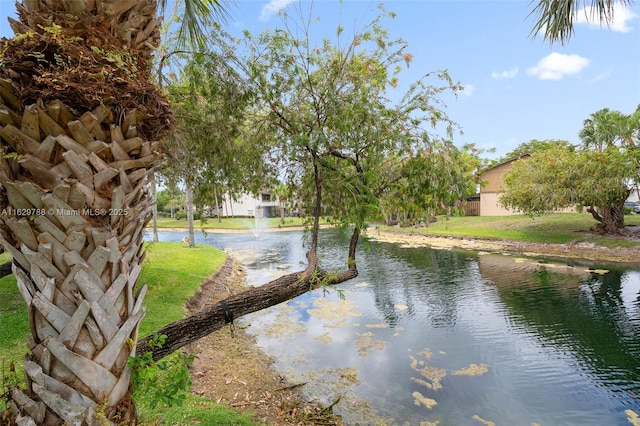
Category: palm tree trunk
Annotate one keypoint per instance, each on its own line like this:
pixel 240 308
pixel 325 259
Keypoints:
pixel 79 157
pixel 74 229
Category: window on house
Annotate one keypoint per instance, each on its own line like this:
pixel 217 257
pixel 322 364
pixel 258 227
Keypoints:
pixel 265 197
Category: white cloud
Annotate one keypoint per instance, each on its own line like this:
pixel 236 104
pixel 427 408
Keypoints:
pixel 557 65
pixel 601 76
pixel 505 74
pixel 272 8
pixel 621 17
pixel 467 90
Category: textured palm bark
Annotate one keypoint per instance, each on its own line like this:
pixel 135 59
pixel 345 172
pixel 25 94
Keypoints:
pixel 76 202
pixel 76 245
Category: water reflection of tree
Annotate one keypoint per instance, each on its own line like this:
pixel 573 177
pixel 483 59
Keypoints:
pixel 582 312
pixel 423 279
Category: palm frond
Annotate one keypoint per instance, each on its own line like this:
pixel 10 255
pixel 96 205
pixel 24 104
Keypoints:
pixel 197 15
pixel 555 18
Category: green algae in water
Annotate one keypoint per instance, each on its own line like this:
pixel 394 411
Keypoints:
pixel 338 311
pixel 426 353
pixel 302 357
pixel 420 399
pixel 328 383
pixel 633 417
pixel 334 379
pixel 483 421
pixel 471 370
pixel 431 376
pixel 283 326
pixel 377 325
pixel 366 344
pixel 325 338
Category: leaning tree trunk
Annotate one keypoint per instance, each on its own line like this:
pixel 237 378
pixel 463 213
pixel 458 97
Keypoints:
pixel 611 217
pixel 188 330
pixel 79 118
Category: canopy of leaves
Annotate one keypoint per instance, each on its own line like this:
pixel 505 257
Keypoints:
pixel 558 178
pixel 599 174
pixel 606 128
pixel 335 115
pixel 208 150
pixel 535 145
pixel 434 181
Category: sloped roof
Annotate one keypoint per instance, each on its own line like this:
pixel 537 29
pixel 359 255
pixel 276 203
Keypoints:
pixel 518 157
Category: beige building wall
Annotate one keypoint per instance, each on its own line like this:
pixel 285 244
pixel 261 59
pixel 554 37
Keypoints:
pixel 489 194
pixel 489 205
pixel 494 178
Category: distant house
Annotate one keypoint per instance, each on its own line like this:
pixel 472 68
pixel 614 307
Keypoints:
pixel 248 205
pixel 490 192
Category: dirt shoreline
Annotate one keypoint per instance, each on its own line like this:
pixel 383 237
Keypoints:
pixel 573 251
pixel 230 368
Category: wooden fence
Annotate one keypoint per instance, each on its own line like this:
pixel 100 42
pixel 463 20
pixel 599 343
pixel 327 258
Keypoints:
pixel 471 208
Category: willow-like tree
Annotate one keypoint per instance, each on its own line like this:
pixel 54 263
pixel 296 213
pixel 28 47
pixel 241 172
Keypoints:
pixel 334 112
pixel 322 112
pixel 81 122
pixel 435 180
pixel 206 151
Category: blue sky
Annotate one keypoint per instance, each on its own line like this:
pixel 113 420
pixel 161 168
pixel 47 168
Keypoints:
pixel 516 88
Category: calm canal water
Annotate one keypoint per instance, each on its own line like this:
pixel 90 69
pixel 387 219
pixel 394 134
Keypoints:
pixel 454 337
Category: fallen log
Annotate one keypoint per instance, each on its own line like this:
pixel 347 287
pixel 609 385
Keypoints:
pixel 212 318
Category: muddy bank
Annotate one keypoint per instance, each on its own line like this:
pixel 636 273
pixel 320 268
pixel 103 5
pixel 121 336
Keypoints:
pixel 575 250
pixel 229 368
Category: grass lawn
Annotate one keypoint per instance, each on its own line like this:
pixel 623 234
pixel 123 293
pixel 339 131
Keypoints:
pixel 550 228
pixel 232 223
pixel 14 329
pixel 173 273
